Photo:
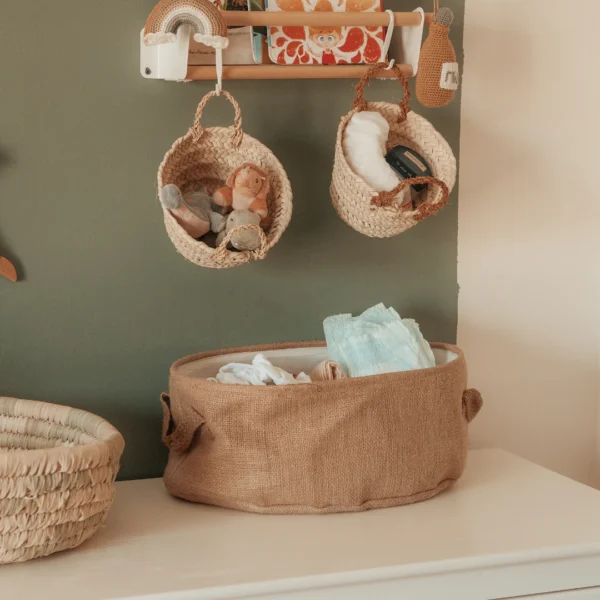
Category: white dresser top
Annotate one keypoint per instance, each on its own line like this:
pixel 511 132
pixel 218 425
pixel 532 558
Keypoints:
pixel 507 526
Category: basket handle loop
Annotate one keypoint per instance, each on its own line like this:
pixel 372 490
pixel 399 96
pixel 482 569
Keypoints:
pixel 472 403
pixel 178 430
pixel 385 199
pixel 221 251
pixel 361 104
pixel 197 128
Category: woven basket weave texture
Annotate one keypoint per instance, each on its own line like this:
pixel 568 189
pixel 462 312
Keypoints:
pixel 207 156
pixel 376 214
pixel 57 471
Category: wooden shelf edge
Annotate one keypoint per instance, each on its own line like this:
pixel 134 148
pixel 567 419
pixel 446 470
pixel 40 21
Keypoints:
pixel 206 73
pixel 234 18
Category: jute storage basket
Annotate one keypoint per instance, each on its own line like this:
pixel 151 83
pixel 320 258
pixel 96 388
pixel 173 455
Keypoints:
pixel 333 446
pixel 377 214
pixel 208 155
pixel 57 471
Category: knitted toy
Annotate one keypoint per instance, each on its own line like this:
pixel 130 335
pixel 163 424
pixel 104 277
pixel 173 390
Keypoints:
pixel 246 189
pixel 437 76
pixel 328 370
pixel 194 212
pixel 249 239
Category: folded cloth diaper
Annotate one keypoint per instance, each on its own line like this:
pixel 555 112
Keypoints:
pixel 364 143
pixel 378 341
pixel 260 372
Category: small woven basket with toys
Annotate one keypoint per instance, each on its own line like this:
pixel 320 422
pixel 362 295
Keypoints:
pixel 226 198
pixel 392 169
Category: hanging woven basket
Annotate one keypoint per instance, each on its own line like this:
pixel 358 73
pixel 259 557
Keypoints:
pixel 57 473
pixel 378 214
pixel 207 156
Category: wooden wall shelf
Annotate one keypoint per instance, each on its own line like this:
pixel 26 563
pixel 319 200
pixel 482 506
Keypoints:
pixel 209 73
pixel 170 61
pixel 236 18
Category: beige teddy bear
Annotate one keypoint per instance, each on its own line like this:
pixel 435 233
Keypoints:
pixel 246 189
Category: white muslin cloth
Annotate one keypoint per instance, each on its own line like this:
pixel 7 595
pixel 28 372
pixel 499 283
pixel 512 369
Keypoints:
pixel 364 143
pixel 260 372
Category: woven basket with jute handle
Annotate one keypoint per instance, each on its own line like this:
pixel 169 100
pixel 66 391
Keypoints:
pixel 378 214
pixel 57 472
pixel 207 156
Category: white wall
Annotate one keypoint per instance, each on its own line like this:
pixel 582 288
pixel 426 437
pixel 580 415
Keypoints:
pixel 529 310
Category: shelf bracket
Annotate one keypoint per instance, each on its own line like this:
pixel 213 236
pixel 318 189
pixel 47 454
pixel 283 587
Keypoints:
pixel 168 61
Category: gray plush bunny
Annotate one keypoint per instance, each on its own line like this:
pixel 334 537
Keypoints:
pixel 194 212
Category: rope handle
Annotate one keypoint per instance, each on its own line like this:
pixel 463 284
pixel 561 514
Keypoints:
pixel 198 130
pixel 178 429
pixel 221 250
pixel 361 104
pixel 472 403
pixel 385 199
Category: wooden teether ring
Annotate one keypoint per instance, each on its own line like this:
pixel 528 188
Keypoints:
pixel 7 269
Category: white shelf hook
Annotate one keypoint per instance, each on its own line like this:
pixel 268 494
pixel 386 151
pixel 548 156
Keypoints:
pixel 219 66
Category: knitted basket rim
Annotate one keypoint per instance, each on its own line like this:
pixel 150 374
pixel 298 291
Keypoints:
pixel 42 461
pixel 258 392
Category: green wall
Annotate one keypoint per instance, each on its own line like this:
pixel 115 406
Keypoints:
pixel 106 304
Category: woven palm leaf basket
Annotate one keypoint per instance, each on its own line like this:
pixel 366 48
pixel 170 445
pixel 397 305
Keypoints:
pixel 379 214
pixel 207 156
pixel 57 471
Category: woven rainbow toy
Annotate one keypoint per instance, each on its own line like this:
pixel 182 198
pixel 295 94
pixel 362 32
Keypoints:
pixel 202 15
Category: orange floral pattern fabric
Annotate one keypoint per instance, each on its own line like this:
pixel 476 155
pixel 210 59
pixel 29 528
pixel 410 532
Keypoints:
pixel 326 45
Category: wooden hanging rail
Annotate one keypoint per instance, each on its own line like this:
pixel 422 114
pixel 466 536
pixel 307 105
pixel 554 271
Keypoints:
pixel 207 73
pixel 237 18
pixel 167 61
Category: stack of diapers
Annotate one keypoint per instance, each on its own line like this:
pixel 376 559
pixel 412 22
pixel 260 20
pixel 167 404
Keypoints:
pixel 378 341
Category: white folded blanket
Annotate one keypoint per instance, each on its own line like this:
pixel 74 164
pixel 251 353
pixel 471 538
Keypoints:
pixel 260 372
pixel 364 143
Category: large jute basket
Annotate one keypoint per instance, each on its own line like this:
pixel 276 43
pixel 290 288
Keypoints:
pixel 207 156
pixel 329 446
pixel 378 214
pixel 57 471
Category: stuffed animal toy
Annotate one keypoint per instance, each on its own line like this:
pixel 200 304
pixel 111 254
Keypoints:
pixel 242 240
pixel 246 189
pixel 437 76
pixel 194 212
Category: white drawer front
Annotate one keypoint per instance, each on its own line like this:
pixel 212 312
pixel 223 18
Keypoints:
pixel 583 594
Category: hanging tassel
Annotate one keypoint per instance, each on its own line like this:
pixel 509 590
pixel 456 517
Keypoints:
pixel 437 76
